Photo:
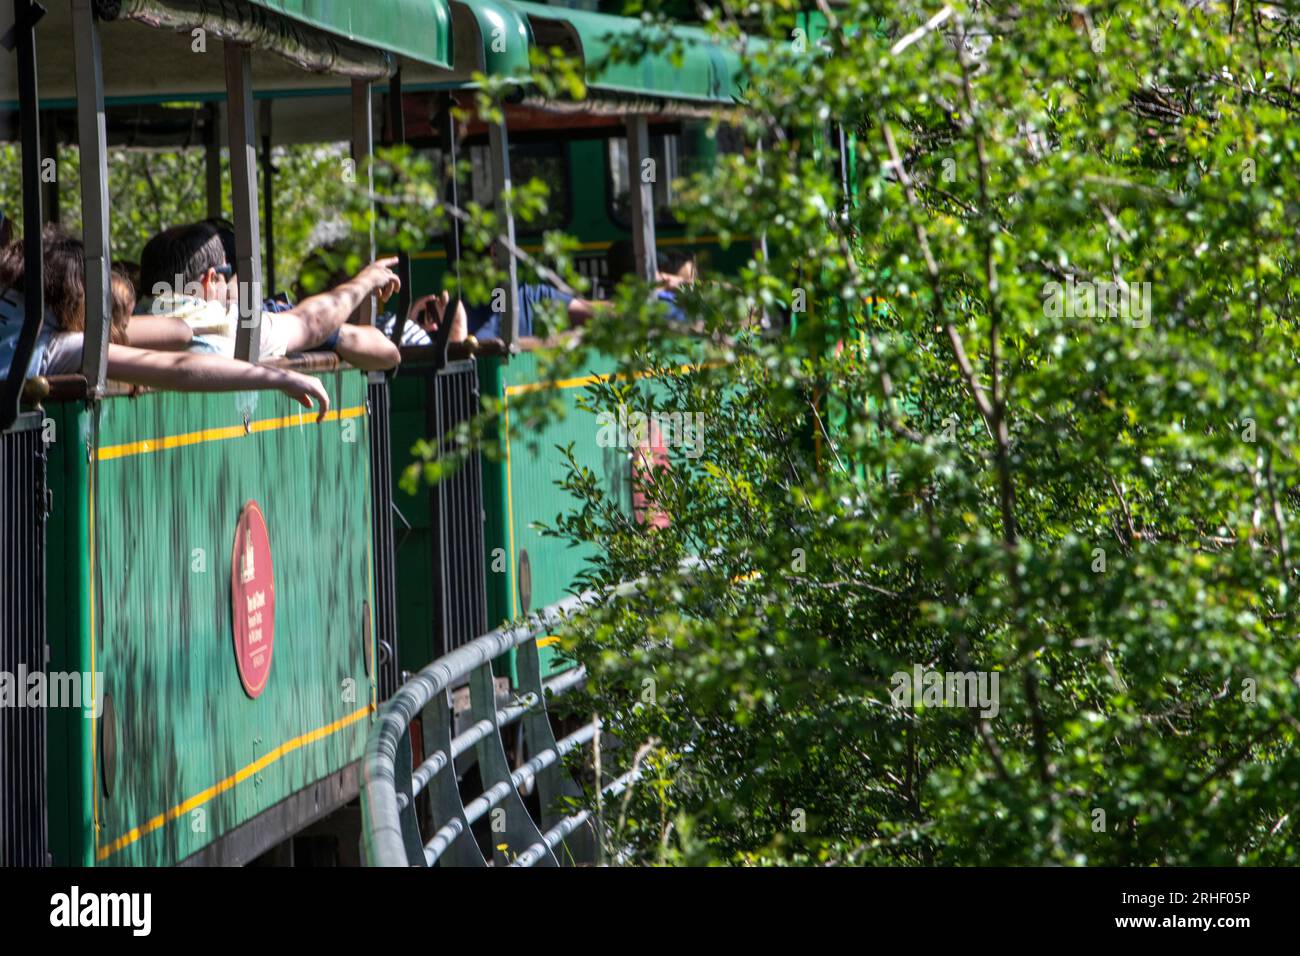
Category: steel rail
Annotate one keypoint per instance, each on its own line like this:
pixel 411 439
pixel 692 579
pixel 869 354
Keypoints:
pixel 556 834
pixel 390 784
pixel 476 808
pixel 506 716
pixel 387 833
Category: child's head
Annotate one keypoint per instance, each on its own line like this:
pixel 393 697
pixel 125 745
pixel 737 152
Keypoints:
pixel 680 264
pixel 123 305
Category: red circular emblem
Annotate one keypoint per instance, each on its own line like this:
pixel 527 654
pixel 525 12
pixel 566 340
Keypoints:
pixel 252 598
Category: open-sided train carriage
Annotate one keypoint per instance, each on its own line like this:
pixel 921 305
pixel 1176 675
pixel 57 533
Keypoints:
pixel 209 560
pixel 239 584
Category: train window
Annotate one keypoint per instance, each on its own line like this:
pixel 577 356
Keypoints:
pixel 664 153
pixel 546 161
pixel 676 156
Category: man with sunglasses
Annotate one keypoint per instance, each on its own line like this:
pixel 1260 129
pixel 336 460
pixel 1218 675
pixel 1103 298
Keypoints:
pixel 184 273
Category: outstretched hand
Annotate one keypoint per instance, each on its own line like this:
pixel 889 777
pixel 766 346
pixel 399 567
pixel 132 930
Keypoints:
pixel 307 391
pixel 380 278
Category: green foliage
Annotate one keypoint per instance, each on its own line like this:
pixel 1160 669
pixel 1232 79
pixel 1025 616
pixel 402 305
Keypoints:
pixel 939 465
pixel 152 190
pixel 944 467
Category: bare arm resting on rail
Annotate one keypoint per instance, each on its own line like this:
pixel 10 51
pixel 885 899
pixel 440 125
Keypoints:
pixel 191 372
pixel 159 332
pixel 366 348
pixel 318 317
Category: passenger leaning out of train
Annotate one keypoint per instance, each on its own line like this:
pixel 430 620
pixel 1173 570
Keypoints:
pixel 185 274
pixel 673 271
pixel 483 320
pixel 59 348
pixel 322 269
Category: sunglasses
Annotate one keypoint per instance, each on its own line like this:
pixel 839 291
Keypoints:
pixel 225 271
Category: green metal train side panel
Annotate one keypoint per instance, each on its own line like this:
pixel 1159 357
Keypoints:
pixel 591 221
pixel 412 526
pixel 152 521
pixel 525 482
pixel 68 610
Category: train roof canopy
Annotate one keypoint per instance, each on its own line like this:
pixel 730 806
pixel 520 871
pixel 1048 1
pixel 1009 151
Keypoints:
pixel 305 51
pixel 491 37
pixel 160 50
pixel 678 63
pixel 418 30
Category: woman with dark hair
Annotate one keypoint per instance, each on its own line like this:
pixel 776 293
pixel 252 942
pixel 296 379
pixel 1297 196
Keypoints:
pixel 60 345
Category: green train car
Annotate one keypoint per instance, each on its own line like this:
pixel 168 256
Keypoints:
pixel 584 169
pixel 162 502
pixel 239 585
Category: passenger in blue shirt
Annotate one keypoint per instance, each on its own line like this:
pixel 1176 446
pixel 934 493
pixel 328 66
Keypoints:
pixel 484 323
pixel 674 270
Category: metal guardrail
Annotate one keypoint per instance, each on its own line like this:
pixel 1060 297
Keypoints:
pixel 391 785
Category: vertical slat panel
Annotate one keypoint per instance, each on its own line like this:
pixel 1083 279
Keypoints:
pixel 22 646
pixel 456 515
pixel 381 479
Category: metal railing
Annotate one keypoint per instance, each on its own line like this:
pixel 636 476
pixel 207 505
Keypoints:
pixel 391 785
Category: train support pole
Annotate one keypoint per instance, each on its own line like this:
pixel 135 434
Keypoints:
pixel 26 15
pixel 212 161
pixel 268 195
pixel 243 199
pixel 499 160
pixel 363 147
pixel 93 143
pixel 396 135
pixel 641 177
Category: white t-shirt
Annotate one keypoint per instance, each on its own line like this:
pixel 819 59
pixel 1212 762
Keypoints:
pixel 215 324
pixel 412 334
